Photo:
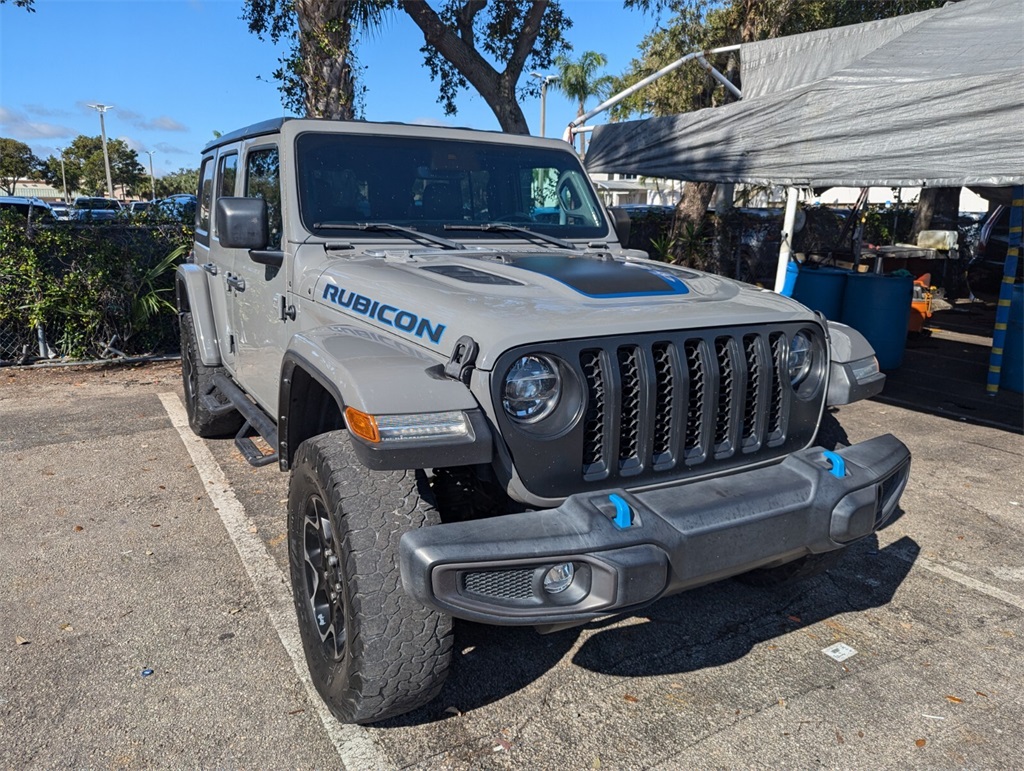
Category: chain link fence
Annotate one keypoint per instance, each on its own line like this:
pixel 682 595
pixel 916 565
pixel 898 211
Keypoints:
pixel 76 292
pixel 17 345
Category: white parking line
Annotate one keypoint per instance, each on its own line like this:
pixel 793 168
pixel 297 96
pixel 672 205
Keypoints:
pixel 970 583
pixel 353 744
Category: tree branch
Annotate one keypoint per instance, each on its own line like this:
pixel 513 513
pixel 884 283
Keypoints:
pixel 528 36
pixel 466 59
pixel 464 19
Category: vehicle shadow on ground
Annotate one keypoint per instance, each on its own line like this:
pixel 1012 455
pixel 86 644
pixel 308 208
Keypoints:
pixel 706 627
pixel 721 623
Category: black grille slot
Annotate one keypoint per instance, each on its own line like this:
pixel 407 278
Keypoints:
pixel 751 436
pixel 501 584
pixel 695 402
pixel 726 385
pixel 779 352
pixel 629 411
pixel 664 396
pixel 594 420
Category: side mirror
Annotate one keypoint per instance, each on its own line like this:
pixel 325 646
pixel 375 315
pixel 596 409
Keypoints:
pixel 242 223
pixel 621 224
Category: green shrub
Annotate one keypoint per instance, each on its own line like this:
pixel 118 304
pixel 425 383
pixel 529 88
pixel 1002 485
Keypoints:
pixel 89 282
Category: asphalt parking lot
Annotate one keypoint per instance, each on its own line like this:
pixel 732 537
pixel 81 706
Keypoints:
pixel 146 620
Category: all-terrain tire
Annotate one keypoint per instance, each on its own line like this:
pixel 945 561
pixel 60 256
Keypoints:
pixel 197 380
pixel 372 650
pixel 831 436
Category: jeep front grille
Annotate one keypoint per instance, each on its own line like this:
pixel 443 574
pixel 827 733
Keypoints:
pixel 662 406
pixel 702 398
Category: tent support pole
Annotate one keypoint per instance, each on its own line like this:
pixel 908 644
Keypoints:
pixel 573 127
pixel 786 248
pixel 995 361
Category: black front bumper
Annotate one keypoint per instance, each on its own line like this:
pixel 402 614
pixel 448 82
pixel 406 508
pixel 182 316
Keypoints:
pixel 628 553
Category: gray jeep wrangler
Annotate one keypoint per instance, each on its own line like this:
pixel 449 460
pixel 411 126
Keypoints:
pixel 490 409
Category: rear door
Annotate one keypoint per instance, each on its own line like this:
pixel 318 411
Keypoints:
pixel 214 262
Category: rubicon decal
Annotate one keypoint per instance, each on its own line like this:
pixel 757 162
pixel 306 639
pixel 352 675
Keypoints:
pixel 406 321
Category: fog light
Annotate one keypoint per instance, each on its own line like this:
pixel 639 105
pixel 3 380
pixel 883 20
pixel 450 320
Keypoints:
pixel 559 578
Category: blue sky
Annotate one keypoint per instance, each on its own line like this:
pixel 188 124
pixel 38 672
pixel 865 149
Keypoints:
pixel 175 71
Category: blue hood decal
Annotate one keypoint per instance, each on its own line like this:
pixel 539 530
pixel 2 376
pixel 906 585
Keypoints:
pixel 605 278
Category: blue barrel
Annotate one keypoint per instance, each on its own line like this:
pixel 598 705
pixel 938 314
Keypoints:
pixel 821 289
pixel 878 307
pixel 1012 376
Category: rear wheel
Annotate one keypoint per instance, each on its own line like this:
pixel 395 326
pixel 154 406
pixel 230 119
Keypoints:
pixel 197 380
pixel 373 652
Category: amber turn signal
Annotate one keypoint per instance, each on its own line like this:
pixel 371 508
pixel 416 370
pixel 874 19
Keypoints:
pixel 362 425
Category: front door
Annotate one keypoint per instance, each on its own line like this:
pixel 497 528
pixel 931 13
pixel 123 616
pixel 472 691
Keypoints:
pixel 261 324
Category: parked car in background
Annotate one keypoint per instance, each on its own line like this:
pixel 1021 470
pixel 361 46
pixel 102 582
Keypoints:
pixel 138 207
pixel 61 210
pixel 35 209
pixel 985 270
pixel 94 208
pixel 180 206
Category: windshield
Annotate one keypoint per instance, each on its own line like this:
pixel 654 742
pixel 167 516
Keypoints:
pixel 96 203
pixel 430 183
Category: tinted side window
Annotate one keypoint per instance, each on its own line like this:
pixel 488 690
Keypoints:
pixel 205 197
pixel 263 180
pixel 226 175
pixel 227 171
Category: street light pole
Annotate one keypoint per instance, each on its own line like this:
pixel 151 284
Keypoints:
pixel 544 81
pixel 63 179
pixel 152 179
pixel 102 108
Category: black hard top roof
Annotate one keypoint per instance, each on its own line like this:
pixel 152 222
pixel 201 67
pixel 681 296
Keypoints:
pixel 271 126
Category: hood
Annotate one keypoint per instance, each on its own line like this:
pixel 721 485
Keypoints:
pixel 507 298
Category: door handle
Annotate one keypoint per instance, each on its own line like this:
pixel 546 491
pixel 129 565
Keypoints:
pixel 236 282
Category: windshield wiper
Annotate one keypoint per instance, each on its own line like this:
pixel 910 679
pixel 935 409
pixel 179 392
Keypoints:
pixel 387 227
pixel 505 227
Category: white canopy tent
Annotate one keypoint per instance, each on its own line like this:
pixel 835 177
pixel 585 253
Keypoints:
pixel 929 99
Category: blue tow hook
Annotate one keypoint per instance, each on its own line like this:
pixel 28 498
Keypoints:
pixel 623 514
pixel 838 468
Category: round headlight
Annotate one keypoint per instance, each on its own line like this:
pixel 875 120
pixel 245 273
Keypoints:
pixel 531 389
pixel 800 350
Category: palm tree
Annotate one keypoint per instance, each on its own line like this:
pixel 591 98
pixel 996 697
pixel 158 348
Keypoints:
pixel 579 80
pixel 318 78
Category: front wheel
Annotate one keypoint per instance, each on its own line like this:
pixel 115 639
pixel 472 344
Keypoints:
pixel 373 651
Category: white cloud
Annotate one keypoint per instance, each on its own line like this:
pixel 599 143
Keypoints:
pixel 164 123
pixel 170 149
pixel 431 122
pixel 160 123
pixel 47 112
pixel 18 126
pixel 134 144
